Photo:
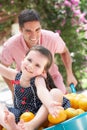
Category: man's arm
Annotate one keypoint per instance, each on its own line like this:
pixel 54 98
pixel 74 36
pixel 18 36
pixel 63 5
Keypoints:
pixel 67 60
pixel 8 82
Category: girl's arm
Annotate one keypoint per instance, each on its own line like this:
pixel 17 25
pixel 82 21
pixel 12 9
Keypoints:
pixel 42 91
pixel 46 97
pixel 7 72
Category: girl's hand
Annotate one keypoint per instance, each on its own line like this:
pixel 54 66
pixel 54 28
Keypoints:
pixel 21 125
pixel 25 125
pixel 54 108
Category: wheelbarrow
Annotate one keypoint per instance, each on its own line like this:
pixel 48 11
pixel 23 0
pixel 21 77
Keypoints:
pixel 76 123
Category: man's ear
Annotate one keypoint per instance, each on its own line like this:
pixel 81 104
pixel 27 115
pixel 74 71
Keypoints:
pixel 44 74
pixel 20 29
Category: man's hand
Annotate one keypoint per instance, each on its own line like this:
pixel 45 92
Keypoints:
pixel 71 79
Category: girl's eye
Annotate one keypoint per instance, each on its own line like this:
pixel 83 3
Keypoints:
pixel 37 65
pixel 29 60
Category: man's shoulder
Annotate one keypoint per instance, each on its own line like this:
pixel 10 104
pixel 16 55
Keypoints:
pixel 13 39
pixel 47 32
pixel 50 36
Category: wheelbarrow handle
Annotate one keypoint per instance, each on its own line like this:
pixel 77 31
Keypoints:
pixel 72 88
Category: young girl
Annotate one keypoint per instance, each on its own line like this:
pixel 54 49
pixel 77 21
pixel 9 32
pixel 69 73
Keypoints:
pixel 33 91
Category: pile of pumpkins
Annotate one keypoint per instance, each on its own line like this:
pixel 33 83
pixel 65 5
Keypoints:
pixel 78 106
pixel 77 101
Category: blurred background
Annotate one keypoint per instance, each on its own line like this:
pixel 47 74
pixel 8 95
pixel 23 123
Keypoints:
pixel 67 17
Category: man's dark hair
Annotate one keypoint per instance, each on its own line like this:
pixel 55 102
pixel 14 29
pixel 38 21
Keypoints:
pixel 28 15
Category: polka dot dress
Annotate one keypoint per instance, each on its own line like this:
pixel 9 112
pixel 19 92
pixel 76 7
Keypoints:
pixel 25 99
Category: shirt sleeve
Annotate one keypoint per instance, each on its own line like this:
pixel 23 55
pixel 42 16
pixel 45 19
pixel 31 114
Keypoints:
pixel 5 56
pixel 60 44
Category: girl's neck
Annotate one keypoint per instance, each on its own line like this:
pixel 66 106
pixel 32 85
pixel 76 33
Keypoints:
pixel 24 82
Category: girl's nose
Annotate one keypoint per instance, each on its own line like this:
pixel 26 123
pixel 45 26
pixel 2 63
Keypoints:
pixel 30 67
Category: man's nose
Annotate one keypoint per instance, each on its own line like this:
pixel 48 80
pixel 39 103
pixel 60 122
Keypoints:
pixel 33 35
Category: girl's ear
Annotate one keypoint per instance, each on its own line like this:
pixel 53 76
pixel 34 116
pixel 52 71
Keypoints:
pixel 44 74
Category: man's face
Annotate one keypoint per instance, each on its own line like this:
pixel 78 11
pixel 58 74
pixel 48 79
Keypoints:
pixel 31 32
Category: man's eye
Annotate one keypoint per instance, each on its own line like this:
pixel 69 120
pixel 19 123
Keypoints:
pixel 38 30
pixel 28 31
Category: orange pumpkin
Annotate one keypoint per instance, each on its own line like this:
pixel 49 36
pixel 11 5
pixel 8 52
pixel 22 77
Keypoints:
pixel 4 129
pixel 27 116
pixel 79 111
pixel 83 104
pixel 59 118
pixel 71 98
pixel 74 99
pixel 77 99
pixel 81 95
pixel 76 102
pixel 71 112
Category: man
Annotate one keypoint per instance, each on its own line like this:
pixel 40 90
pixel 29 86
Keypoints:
pixel 16 47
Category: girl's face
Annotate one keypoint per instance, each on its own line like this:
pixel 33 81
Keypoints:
pixel 34 64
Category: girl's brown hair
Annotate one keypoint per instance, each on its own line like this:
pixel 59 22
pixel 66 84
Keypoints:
pixel 49 81
pixel 44 52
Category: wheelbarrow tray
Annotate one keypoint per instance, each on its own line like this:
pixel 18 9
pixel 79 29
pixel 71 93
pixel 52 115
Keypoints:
pixel 76 123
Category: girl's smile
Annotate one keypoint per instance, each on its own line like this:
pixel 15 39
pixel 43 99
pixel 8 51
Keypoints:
pixel 34 64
